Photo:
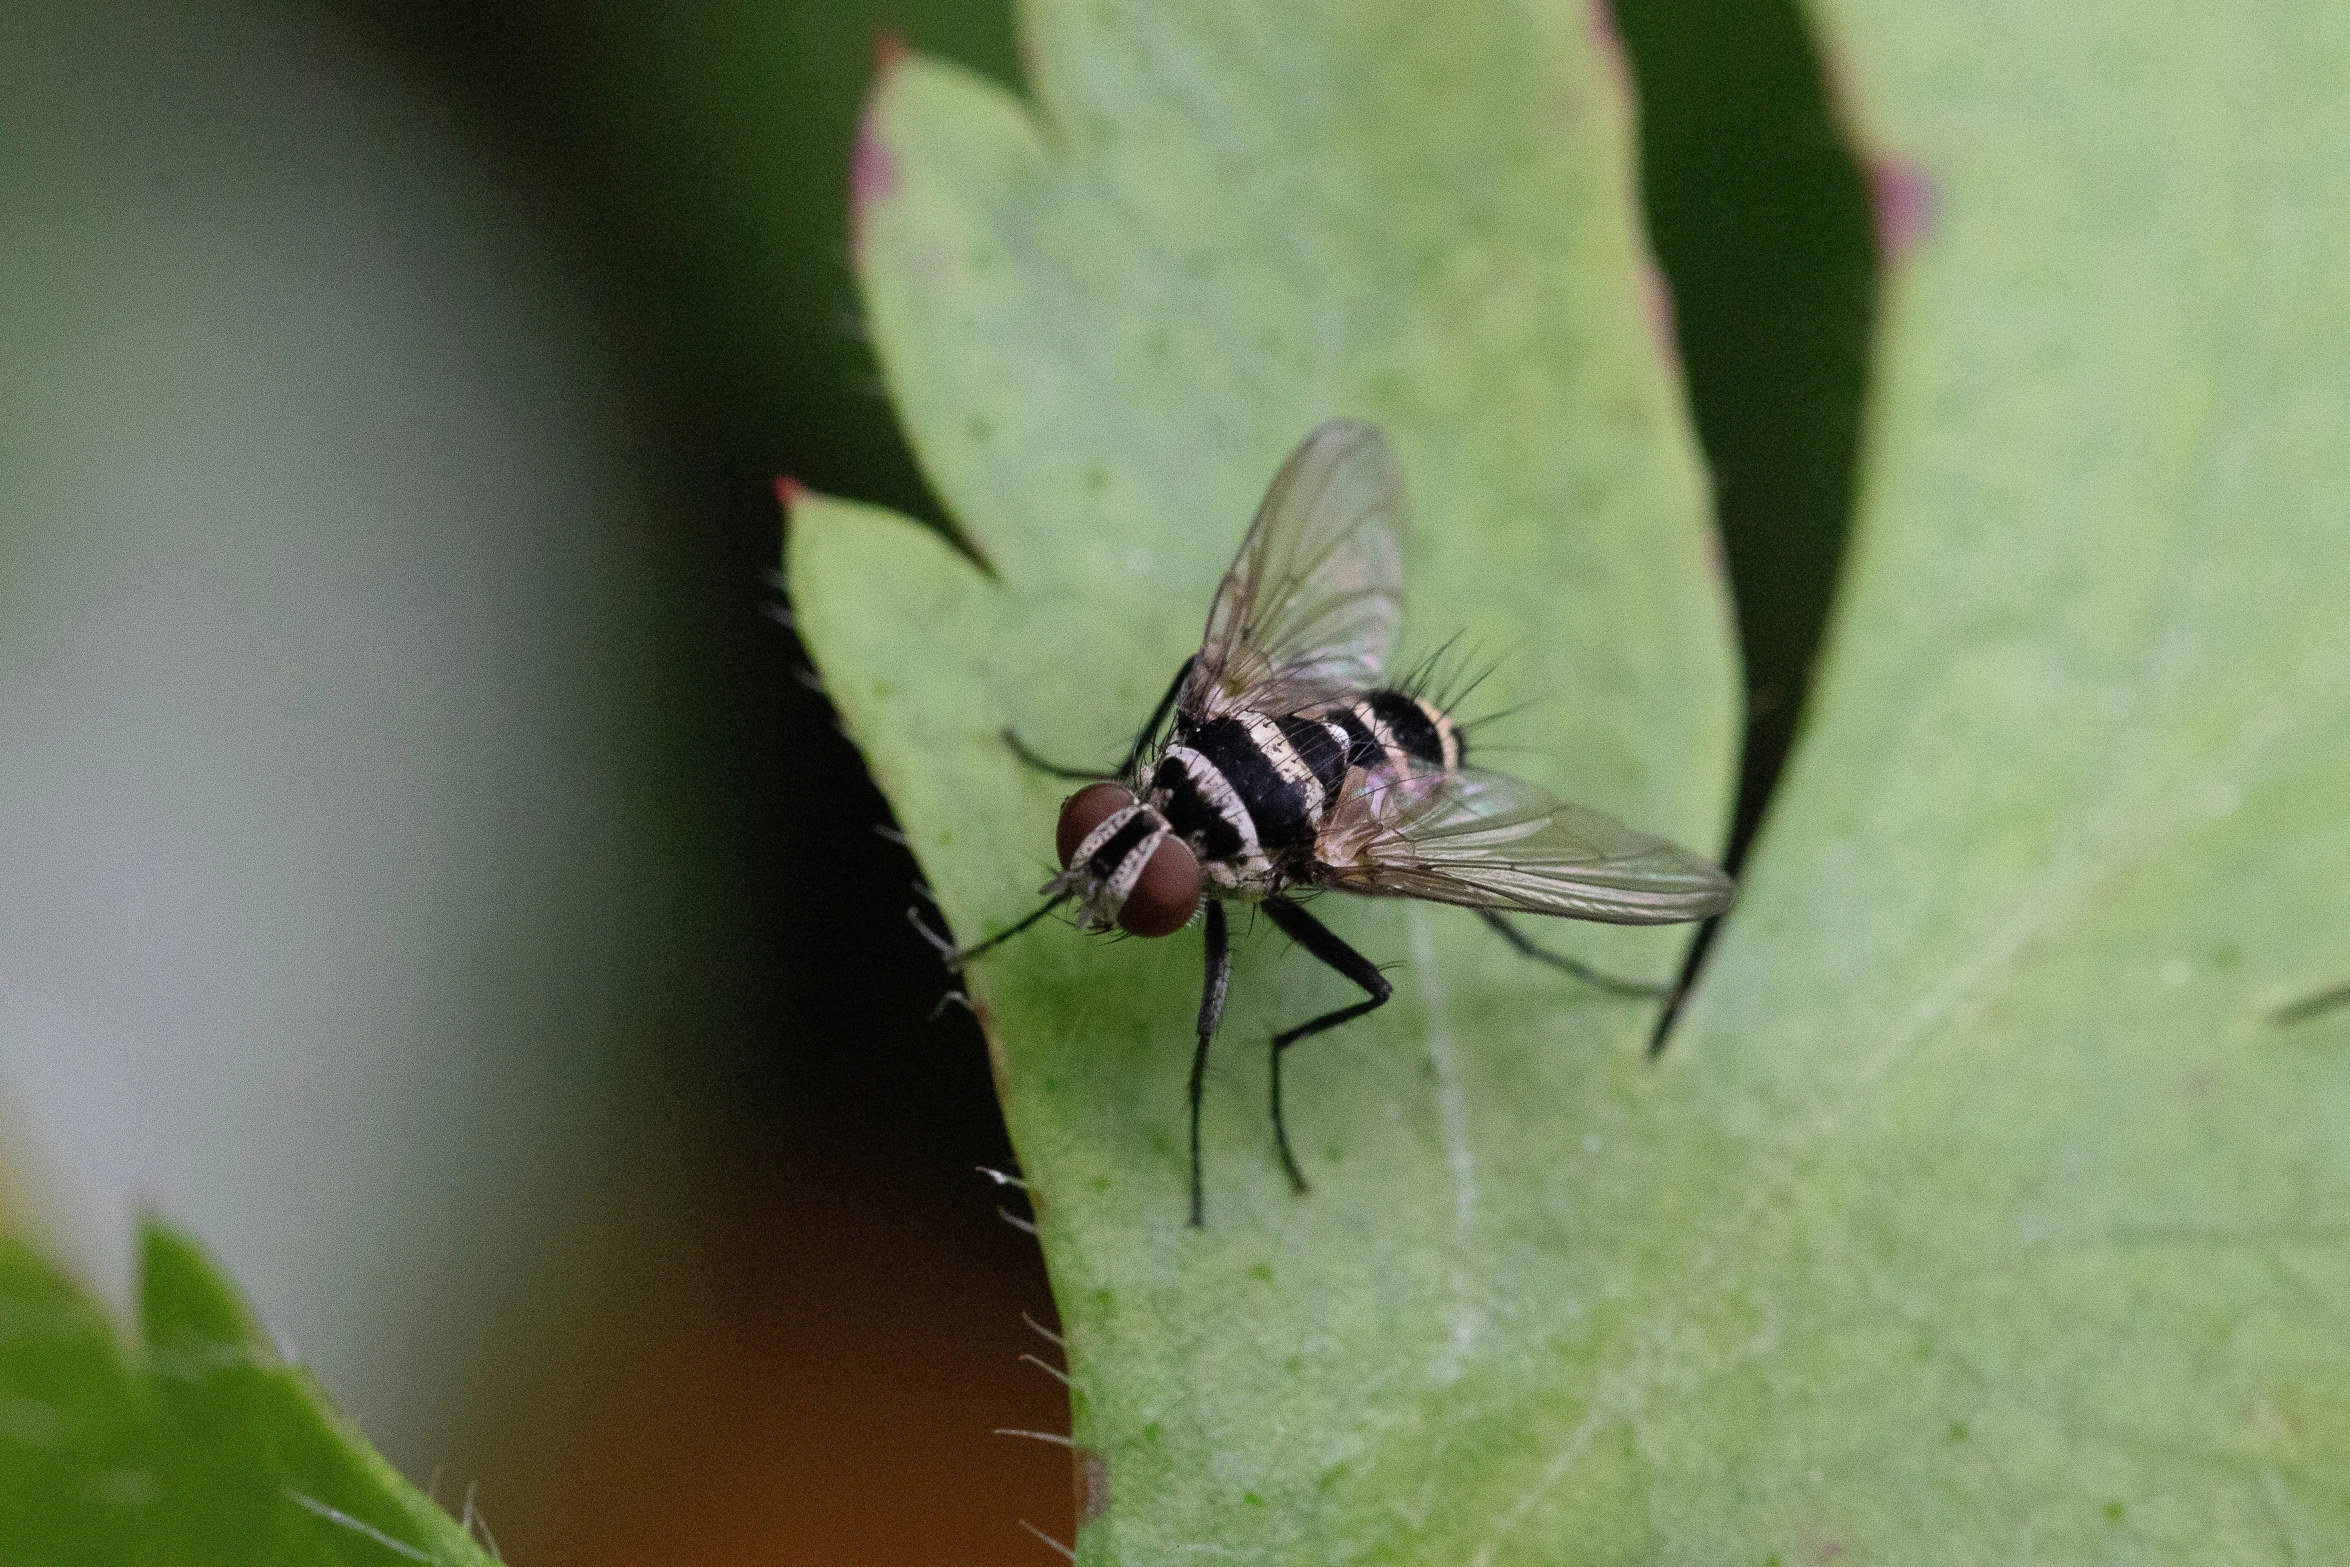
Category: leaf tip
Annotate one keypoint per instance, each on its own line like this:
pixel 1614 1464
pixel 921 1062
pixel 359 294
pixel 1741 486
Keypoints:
pixel 789 492
pixel 182 1294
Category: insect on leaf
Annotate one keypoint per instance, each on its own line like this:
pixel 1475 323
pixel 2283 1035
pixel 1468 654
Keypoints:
pixel 1979 1211
pixel 1107 315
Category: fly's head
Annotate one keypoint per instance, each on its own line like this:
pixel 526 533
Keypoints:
pixel 1123 863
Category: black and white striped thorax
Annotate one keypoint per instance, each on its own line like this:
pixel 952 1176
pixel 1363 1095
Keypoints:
pixel 1249 792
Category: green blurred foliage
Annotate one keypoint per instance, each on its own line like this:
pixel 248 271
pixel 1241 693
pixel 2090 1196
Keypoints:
pixel 198 1447
pixel 707 144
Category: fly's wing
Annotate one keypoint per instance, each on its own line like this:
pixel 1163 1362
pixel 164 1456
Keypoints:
pixel 1314 596
pixel 1488 841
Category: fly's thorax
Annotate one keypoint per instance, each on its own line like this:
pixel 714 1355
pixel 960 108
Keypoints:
pixel 1247 792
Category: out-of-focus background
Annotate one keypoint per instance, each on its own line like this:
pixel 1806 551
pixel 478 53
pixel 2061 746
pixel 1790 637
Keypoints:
pixel 421 870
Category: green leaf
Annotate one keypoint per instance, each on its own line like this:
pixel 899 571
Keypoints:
pixel 2027 1236
pixel 1976 1212
pixel 1106 319
pixel 203 1448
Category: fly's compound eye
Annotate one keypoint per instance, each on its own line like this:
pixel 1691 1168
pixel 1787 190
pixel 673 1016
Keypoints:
pixel 1085 810
pixel 1164 898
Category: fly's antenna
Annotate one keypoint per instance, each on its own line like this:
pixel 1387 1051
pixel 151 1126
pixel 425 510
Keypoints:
pixel 955 957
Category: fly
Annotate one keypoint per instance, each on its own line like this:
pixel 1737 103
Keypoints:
pixel 1289 768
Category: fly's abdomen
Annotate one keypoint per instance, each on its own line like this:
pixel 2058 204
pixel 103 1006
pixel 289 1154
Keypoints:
pixel 1399 731
pixel 1322 748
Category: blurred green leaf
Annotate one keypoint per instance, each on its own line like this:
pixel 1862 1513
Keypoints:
pixel 203 1447
pixel 1976 1212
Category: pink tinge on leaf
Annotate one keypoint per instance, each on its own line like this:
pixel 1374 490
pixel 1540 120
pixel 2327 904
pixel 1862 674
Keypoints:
pixel 1717 563
pixel 873 176
pixel 1093 1486
pixel 1657 292
pixel 1901 204
pixel 873 168
pixel 789 492
pixel 1610 38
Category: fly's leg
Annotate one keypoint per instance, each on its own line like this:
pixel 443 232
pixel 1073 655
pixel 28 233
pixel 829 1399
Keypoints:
pixel 1310 933
pixel 1211 1012
pixel 955 957
pixel 2310 1006
pixel 1142 742
pixel 1049 768
pixel 1597 980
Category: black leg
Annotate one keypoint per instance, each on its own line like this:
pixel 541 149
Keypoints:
pixel 1309 933
pixel 1142 742
pixel 2310 1006
pixel 955 957
pixel 1050 769
pixel 1211 1012
pixel 1566 965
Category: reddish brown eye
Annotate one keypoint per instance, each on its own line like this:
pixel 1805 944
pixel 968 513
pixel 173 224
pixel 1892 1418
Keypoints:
pixel 1085 810
pixel 1167 893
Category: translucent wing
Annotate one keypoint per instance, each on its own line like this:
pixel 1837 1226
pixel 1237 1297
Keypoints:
pixel 1314 596
pixel 1488 841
